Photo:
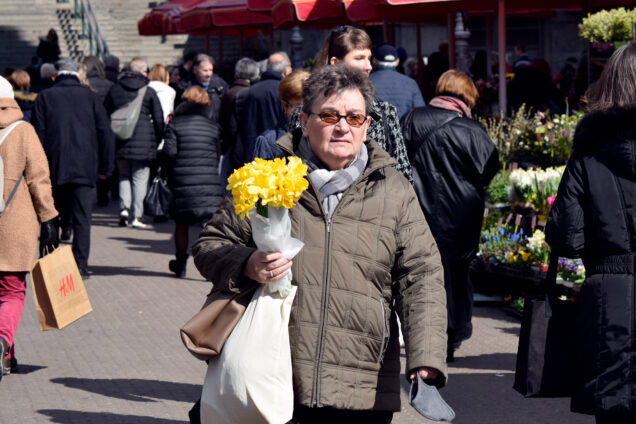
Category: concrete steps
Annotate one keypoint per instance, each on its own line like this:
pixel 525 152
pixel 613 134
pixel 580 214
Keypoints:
pixel 23 23
pixel 21 26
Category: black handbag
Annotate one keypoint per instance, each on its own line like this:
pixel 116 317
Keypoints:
pixel 158 200
pixel 547 343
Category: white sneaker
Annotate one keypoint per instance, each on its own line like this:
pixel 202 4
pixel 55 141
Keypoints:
pixel 139 225
pixel 123 218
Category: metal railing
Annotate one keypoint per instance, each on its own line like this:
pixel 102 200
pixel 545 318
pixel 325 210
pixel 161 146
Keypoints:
pixel 90 28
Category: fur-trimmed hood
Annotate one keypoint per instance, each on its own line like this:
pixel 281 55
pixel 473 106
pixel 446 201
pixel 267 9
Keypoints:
pixel 611 136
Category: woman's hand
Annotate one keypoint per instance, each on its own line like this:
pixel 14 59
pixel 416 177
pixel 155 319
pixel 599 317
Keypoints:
pixel 267 267
pixel 427 373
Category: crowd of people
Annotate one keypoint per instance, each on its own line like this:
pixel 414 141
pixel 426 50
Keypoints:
pixel 390 223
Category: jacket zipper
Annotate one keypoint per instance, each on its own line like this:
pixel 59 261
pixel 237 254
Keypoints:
pixel 385 333
pixel 323 312
pixel 325 288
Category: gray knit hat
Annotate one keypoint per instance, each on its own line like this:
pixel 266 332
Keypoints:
pixel 66 65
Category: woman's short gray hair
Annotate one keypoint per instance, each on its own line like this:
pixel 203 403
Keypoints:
pixel 333 79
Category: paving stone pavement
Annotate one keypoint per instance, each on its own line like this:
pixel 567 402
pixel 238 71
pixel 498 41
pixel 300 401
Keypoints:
pixel 124 362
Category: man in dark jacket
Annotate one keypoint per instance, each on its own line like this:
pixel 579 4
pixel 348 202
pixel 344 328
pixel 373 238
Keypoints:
pixel 134 155
pixel 75 132
pixel 262 109
pixel 246 73
pixel 390 85
pixel 203 75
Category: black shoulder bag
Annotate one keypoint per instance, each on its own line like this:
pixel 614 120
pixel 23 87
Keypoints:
pixel 547 343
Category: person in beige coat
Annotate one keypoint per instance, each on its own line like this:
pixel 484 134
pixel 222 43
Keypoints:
pixel 368 255
pixel 32 204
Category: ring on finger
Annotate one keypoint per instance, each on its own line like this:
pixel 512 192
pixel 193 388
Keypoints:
pixel 271 274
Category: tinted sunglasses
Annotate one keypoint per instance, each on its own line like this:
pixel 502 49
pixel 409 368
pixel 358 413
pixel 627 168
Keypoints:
pixel 332 118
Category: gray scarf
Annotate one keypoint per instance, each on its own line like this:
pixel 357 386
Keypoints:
pixel 331 184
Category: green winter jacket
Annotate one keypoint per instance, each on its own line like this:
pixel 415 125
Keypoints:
pixel 376 256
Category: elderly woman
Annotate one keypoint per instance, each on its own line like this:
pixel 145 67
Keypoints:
pixel 368 254
pixel 352 47
pixel 453 161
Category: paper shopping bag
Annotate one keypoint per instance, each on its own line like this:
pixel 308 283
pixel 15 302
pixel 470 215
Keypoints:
pixel 58 290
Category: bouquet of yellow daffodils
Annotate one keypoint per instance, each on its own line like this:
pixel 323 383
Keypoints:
pixel 279 183
pixel 270 187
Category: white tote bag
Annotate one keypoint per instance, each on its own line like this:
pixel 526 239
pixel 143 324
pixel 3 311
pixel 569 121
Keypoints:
pixel 250 382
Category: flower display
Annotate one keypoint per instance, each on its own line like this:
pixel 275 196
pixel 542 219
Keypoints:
pixel 498 188
pixel 571 270
pixel 537 138
pixel 261 183
pixel 535 186
pixel 503 245
pixel 538 246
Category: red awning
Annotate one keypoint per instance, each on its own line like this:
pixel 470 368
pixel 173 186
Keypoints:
pixel 320 13
pixel 442 6
pixel 221 14
pixel 260 5
pixel 435 10
pixel 161 19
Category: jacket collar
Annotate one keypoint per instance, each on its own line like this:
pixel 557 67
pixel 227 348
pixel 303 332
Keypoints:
pixel 241 83
pixel 269 74
pixel 132 80
pixel 66 80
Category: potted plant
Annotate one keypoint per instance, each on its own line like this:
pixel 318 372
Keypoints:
pixel 606 28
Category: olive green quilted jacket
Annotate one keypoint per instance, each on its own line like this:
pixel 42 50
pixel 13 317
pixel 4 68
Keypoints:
pixel 375 257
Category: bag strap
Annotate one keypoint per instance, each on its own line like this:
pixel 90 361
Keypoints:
pixel 7 130
pixel 140 97
pixel 435 128
pixel 15 188
pixel 549 283
pixel 3 135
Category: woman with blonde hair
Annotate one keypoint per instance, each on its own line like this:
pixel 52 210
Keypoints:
pixel 453 161
pixel 159 80
pixel 190 158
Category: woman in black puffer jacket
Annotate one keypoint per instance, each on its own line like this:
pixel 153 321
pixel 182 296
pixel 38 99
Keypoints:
pixel 191 156
pixel 453 161
pixel 594 217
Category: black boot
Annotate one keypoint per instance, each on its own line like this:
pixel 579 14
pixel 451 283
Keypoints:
pixel 178 265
